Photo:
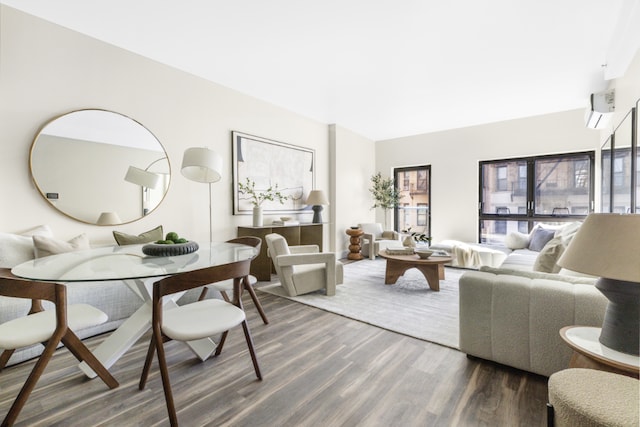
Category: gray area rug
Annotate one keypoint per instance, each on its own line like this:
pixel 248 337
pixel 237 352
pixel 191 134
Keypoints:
pixel 408 307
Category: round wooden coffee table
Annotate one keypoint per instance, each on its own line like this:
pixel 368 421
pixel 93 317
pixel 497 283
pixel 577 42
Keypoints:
pixel 432 268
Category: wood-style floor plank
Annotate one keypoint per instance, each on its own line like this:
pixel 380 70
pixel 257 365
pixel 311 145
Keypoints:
pixel 319 369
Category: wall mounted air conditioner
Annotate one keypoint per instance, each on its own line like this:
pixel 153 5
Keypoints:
pixel 600 110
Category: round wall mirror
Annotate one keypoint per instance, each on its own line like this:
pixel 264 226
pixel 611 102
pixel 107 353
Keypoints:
pixel 99 167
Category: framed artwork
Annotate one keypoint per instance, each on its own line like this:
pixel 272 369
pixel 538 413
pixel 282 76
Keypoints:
pixel 269 163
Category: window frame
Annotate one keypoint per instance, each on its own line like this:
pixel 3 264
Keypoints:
pixel 400 174
pixel 529 214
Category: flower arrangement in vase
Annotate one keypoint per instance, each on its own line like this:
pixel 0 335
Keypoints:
pixel 257 197
pixel 415 237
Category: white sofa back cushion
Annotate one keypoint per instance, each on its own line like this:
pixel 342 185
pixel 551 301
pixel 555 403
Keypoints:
pixel 18 248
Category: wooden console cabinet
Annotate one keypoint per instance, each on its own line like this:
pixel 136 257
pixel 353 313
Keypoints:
pixel 303 234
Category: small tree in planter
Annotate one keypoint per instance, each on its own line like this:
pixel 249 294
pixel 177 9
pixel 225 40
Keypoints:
pixel 385 194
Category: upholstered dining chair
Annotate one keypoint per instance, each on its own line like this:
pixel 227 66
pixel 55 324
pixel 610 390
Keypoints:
pixel 227 285
pixel 197 320
pixel 49 327
pixel 303 269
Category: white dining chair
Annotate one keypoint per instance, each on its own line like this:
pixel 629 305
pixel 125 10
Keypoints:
pixel 227 285
pixel 49 327
pixel 201 319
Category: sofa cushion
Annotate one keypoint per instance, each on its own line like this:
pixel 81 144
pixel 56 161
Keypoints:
pixel 147 237
pixel 547 259
pixel 44 246
pixel 540 236
pixel 18 248
pixel 585 280
pixel 516 240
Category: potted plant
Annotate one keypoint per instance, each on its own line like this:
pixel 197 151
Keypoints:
pixel 385 194
pixel 257 197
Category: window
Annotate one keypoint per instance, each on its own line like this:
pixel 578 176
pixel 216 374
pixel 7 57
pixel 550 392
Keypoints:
pixel 618 171
pixel 422 180
pixel 522 177
pixel 406 181
pixel 515 194
pixel 414 209
pixel 422 215
pixel 501 178
pixel 580 173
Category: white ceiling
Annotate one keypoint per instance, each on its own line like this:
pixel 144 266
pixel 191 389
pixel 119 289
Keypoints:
pixel 381 68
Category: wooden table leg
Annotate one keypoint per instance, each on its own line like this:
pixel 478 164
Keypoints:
pixel 432 274
pixel 393 271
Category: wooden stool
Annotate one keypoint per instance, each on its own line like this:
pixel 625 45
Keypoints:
pixel 354 247
pixel 589 398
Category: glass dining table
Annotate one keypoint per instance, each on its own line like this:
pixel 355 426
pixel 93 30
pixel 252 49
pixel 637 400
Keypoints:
pixel 139 272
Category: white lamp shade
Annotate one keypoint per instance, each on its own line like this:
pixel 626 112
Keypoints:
pixel 201 164
pixel 606 245
pixel 108 218
pixel 142 177
pixel 317 197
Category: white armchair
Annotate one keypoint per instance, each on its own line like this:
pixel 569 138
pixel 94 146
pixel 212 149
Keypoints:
pixel 303 269
pixel 375 237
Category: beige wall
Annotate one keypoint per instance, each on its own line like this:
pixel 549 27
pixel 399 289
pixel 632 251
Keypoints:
pixel 353 159
pixel 46 70
pixel 454 156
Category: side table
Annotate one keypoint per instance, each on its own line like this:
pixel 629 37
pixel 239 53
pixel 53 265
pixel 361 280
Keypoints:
pixel 355 246
pixel 589 353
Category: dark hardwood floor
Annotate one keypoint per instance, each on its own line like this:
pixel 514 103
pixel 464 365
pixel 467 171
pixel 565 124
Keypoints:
pixel 320 369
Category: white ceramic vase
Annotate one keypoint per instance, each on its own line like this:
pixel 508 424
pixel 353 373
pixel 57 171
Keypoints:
pixel 409 242
pixel 257 216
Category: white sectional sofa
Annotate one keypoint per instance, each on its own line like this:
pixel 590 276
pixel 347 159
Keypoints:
pixel 512 314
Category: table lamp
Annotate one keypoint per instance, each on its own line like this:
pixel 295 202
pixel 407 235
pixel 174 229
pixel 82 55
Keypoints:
pixel 108 218
pixel 317 198
pixel 201 164
pixel 606 246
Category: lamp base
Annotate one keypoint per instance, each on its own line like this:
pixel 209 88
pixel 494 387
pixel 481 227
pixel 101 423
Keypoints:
pixel 621 325
pixel 317 216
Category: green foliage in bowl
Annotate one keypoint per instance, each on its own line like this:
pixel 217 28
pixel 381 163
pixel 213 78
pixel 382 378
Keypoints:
pixel 172 238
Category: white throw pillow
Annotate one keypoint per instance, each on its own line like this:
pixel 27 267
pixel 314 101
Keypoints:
pixel 567 232
pixel 516 240
pixel 18 248
pixel 547 259
pixel 45 246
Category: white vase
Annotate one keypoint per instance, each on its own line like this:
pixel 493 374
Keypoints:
pixel 257 216
pixel 409 242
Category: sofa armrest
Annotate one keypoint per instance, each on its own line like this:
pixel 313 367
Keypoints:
pixel 309 258
pixel 515 320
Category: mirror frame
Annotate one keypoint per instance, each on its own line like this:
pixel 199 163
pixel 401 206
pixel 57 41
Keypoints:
pixel 142 191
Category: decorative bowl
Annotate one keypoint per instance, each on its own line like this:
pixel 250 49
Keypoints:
pixel 285 218
pixel 157 249
pixel 424 253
